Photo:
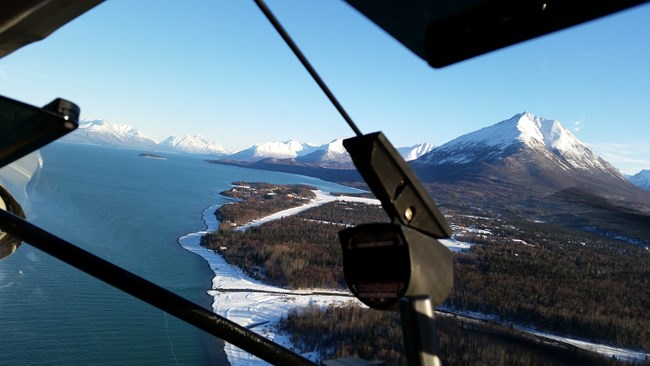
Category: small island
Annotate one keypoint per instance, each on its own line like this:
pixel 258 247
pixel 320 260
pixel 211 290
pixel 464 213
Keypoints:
pixel 152 156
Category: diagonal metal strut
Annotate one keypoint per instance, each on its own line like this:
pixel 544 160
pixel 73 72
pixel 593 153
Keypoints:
pixel 149 292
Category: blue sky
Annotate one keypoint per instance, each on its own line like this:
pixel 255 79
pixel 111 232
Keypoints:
pixel 218 68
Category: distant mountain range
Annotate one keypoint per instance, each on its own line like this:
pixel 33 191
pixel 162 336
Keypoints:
pixel 525 149
pixel 102 132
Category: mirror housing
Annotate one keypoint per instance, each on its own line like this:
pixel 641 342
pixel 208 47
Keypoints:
pixel 385 262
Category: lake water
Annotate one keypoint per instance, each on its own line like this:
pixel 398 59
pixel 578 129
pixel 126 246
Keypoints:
pixel 131 211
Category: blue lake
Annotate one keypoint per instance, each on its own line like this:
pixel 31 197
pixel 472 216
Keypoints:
pixel 129 210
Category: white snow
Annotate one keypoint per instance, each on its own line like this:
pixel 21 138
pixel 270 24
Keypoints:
pixel 193 144
pixel 619 353
pixel 335 146
pixel 332 154
pixel 456 245
pixel 103 132
pixel 544 136
pixel 415 151
pixel 279 150
pixel 261 303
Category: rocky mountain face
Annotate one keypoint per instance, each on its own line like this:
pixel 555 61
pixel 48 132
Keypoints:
pixel 535 169
pixel 525 154
pixel 641 179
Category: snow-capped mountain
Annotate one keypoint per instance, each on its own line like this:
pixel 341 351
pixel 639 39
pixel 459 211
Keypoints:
pixel 192 144
pixel 415 151
pixel 331 155
pixel 277 150
pixel 527 154
pixel 641 179
pixel 102 132
pixel 523 131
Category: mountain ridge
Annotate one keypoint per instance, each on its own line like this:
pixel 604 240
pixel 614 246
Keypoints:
pixel 526 156
pixel 641 179
pixel 332 154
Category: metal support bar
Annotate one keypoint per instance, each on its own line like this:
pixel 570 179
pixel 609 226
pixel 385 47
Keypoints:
pixel 310 69
pixel 149 292
pixel 421 343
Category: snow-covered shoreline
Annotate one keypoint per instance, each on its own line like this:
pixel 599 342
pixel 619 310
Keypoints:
pixel 247 301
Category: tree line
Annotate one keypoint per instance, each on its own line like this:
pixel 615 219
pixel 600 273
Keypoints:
pixel 552 278
pixel 255 200
pixel 372 335
pixel 290 252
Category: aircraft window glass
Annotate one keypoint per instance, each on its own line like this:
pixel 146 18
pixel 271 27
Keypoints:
pixel 549 218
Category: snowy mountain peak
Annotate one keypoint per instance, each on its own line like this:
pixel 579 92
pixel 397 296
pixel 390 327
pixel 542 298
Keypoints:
pixel 104 126
pixel 102 132
pixel 534 130
pixel 538 136
pixel 336 146
pixel 415 151
pixel 277 150
pixel 330 155
pixel 521 128
pixel 193 144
